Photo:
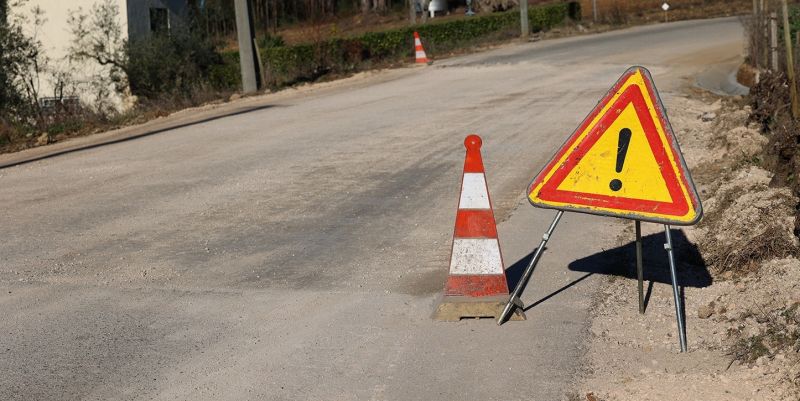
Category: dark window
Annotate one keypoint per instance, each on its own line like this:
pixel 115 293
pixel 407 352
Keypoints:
pixel 159 20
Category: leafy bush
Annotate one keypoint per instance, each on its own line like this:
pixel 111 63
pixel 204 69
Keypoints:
pixel 22 59
pixel 289 64
pixel 174 65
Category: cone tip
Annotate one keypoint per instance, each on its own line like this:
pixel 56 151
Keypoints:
pixel 473 142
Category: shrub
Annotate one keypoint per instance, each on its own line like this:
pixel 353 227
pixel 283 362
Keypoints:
pixel 290 64
pixel 175 65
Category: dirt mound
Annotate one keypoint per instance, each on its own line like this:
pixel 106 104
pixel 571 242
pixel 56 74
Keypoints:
pixel 744 142
pixel 748 222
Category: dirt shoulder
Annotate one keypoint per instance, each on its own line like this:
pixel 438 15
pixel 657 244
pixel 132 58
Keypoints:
pixel 741 281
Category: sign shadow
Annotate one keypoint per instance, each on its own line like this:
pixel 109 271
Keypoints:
pixel 692 270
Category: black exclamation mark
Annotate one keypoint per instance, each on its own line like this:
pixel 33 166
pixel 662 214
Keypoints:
pixel 622 150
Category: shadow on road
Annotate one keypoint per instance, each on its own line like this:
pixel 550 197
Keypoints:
pixel 621 261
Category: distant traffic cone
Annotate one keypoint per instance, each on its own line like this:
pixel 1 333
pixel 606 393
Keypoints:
pixel 476 285
pixel 422 58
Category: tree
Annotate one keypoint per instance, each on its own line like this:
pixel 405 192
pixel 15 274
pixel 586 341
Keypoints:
pixel 97 37
pixel 373 5
pixel 22 63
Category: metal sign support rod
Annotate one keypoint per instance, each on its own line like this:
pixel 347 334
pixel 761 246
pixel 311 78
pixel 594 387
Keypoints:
pixel 639 268
pixel 514 299
pixel 675 293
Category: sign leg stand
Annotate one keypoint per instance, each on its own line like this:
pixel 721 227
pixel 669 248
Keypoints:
pixel 514 300
pixel 639 269
pixel 678 308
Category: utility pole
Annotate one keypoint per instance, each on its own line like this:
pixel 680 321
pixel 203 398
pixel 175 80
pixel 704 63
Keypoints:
pixel 594 11
pixel 251 78
pixel 523 19
pixel 787 37
pixel 412 12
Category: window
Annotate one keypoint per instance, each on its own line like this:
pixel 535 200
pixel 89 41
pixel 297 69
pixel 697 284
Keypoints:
pixel 159 20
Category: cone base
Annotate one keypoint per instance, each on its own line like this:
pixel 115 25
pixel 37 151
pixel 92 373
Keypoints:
pixel 453 309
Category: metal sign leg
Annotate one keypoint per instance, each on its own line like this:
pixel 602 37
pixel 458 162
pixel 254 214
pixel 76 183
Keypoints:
pixel 639 268
pixel 514 299
pixel 675 294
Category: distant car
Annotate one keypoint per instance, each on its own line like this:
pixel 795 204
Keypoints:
pixel 437 6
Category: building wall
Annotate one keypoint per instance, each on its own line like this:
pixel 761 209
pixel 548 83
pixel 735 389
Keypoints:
pixel 139 15
pixel 56 39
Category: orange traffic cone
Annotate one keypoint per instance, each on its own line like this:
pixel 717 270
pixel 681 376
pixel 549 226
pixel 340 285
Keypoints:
pixel 476 285
pixel 420 51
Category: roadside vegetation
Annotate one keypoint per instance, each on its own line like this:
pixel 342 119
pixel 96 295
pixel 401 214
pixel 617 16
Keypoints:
pixel 134 81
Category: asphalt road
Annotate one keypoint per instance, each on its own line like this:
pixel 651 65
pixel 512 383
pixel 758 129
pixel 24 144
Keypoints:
pixel 296 252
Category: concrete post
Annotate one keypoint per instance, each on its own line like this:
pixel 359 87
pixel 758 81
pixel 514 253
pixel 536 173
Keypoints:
pixel 594 11
pixel 412 12
pixel 247 54
pixel 523 19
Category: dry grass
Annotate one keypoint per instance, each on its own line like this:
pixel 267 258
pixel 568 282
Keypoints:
pixel 609 11
pixel 746 257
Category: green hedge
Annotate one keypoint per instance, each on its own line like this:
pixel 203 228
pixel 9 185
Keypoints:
pixel 305 62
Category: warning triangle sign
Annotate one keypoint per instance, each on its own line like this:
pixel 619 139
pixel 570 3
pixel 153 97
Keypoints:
pixel 622 161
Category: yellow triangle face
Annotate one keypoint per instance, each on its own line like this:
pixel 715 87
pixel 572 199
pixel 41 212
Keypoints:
pixel 623 161
pixel 640 176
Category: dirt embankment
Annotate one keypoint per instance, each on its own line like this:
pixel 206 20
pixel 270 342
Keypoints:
pixel 738 269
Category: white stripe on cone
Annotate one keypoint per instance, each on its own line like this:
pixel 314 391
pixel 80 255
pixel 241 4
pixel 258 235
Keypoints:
pixel 421 54
pixel 476 256
pixel 474 194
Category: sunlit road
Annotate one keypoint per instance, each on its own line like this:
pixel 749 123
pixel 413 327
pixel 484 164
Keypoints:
pixel 296 252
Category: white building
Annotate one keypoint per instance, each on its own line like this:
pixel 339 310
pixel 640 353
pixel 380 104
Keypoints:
pixel 137 18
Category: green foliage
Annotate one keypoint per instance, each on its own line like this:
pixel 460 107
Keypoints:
pixel 177 64
pixel 226 75
pixel 794 21
pixel 21 60
pixel 268 41
pixel 289 64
